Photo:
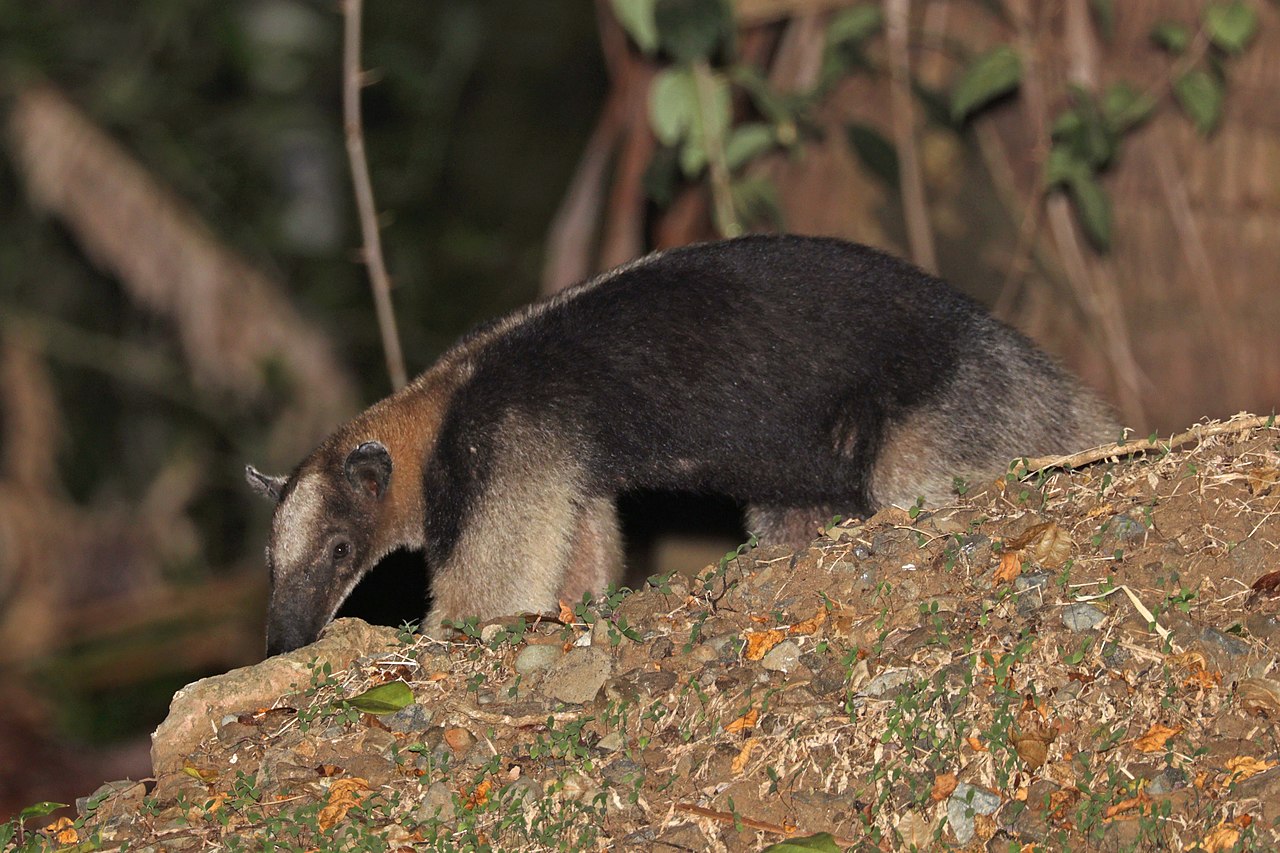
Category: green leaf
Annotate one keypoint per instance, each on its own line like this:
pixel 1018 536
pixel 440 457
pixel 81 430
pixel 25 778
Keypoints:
pixel 824 842
pixel 383 699
pixel 1231 25
pixel 1200 95
pixel 756 200
pixel 1124 107
pixel 673 103
pixel 40 809
pixel 1063 166
pixel 691 29
pixel 875 151
pixel 1171 36
pixel 747 142
pixel 636 17
pixel 996 72
pixel 1093 208
pixel 708 124
pixel 855 25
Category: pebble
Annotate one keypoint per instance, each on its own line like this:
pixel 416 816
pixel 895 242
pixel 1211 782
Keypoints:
pixel 578 676
pixel 965 802
pixel 888 681
pixel 1082 617
pixel 783 657
pixel 411 718
pixel 533 658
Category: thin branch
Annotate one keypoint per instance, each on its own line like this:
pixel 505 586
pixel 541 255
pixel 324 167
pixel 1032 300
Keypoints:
pixel 721 191
pixel 1240 423
pixel 380 282
pixel 915 207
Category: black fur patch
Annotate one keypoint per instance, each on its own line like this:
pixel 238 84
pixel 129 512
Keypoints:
pixel 766 369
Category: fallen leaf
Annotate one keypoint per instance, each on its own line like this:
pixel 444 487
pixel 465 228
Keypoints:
pixel 1263 479
pixel 1192 660
pixel 437 677
pixel 201 773
pixel 1010 567
pixel 1136 804
pixel 810 625
pixel 975 744
pixel 63 831
pixel 1204 679
pixel 1268 584
pixel 479 795
pixel 759 642
pixel 746 721
pixel 744 754
pixel 944 784
pixel 567 615
pixel 1221 837
pixel 1155 738
pixel 343 795
pixel 1244 766
pixel 328 771
pixel 383 699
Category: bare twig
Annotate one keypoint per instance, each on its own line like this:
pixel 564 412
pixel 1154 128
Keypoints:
pixel 1100 303
pixel 721 192
pixel 352 80
pixel 914 206
pixel 1240 423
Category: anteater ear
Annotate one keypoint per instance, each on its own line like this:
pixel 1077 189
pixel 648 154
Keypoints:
pixel 369 469
pixel 264 484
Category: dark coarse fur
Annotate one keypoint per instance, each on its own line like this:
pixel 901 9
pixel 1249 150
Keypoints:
pixel 801 376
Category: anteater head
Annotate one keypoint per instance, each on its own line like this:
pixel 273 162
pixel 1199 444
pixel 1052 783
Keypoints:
pixel 328 531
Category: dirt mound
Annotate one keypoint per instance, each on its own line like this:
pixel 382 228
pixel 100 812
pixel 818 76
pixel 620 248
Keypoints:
pixel 1063 659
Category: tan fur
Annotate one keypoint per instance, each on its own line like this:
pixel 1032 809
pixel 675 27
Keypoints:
pixel 595 553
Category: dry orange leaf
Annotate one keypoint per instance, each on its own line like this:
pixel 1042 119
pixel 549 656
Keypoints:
pixel 1244 766
pixel 1010 566
pixel 944 785
pixel 1204 679
pixel 744 755
pixel 1138 804
pixel 810 625
pixel 479 794
pixel 975 744
pixel 1263 479
pixel 63 831
pixel 746 721
pixel 436 677
pixel 566 613
pixel 1221 837
pixel 458 739
pixel 1155 738
pixel 759 642
pixel 343 795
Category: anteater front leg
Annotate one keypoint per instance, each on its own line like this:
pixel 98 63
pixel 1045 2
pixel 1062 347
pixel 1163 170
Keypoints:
pixel 525 534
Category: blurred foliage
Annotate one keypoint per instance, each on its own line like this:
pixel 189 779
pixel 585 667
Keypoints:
pixel 475 120
pixel 475 117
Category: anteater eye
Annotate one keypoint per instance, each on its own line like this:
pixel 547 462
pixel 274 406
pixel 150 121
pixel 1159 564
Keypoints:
pixel 341 551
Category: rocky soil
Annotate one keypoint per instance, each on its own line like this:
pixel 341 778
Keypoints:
pixel 1064 660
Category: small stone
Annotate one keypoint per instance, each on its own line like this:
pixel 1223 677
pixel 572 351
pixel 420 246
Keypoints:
pixel 1233 646
pixel 437 805
pixel 829 680
pixel 458 739
pixel 965 802
pixel 654 683
pixel 1126 528
pixel 114 797
pixel 612 742
pixel 1082 617
pixel 409 719
pixel 783 657
pixel 1168 780
pixel 534 658
pixel 661 648
pixel 888 682
pixel 578 676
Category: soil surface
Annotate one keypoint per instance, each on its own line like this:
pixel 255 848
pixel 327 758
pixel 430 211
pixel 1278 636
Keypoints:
pixel 1081 659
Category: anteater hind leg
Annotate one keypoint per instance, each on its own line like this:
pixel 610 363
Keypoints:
pixel 794 527
pixel 513 551
pixel 595 556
